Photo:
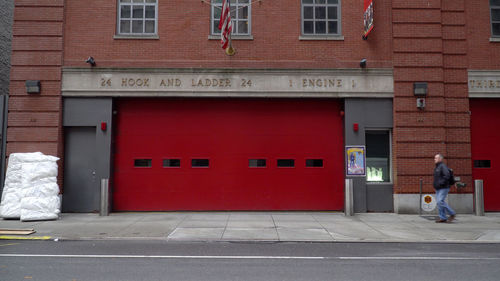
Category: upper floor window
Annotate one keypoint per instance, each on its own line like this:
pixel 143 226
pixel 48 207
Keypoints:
pixel 240 16
pixel 321 17
pixel 137 17
pixel 495 18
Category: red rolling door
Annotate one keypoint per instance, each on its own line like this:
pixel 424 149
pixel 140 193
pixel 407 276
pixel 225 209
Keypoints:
pixel 485 137
pixel 194 154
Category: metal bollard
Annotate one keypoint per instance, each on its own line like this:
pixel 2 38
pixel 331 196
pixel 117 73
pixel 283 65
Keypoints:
pixel 104 198
pixel 479 197
pixel 420 202
pixel 349 202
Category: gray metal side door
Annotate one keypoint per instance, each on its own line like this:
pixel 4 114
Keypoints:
pixel 81 184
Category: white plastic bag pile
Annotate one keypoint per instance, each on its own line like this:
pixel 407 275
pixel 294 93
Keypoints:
pixel 31 191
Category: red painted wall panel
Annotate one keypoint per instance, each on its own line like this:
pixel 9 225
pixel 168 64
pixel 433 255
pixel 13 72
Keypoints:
pixel 485 134
pixel 228 133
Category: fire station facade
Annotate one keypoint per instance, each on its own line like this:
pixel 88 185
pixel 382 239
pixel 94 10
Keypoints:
pixel 139 92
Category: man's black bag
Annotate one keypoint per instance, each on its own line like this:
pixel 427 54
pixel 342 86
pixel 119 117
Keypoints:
pixel 451 180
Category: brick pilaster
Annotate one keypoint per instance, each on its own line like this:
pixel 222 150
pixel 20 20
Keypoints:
pixel 429 46
pixel 458 144
pixel 35 120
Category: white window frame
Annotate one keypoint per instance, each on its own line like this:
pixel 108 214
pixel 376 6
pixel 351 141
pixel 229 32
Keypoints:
pixel 495 37
pixel 143 34
pixel 235 7
pixel 321 36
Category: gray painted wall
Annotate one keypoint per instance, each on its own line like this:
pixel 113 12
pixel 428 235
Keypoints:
pixel 6 15
pixel 90 112
pixel 369 114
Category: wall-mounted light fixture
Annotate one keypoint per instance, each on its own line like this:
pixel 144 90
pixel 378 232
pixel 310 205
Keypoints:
pixel 420 91
pixel 362 63
pixel 33 86
pixel 91 61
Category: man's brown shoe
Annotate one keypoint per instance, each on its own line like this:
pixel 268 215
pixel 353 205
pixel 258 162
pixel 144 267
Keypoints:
pixel 451 218
pixel 441 221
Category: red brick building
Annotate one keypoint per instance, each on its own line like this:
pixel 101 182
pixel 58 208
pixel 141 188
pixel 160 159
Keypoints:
pixel 176 124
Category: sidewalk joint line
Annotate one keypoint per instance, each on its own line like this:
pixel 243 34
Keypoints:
pixel 275 227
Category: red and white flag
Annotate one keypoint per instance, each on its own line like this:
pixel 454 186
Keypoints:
pixel 368 18
pixel 225 24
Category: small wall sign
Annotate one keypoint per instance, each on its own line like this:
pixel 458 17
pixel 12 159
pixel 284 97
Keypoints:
pixel 428 203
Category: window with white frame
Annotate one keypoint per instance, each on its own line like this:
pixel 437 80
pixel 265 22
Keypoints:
pixel 495 18
pixel 378 155
pixel 240 17
pixel 321 17
pixel 137 17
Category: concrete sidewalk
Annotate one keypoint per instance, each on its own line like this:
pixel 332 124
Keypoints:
pixel 263 226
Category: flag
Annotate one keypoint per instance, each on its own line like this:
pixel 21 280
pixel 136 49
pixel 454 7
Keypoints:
pixel 368 18
pixel 225 24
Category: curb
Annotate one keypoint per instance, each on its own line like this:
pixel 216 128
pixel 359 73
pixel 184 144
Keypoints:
pixel 10 237
pixel 374 241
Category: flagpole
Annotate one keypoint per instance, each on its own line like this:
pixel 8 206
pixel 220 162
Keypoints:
pixel 230 50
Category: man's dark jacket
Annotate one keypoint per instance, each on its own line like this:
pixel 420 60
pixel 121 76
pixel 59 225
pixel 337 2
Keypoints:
pixel 441 176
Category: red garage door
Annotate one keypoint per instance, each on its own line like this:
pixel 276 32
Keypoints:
pixel 193 154
pixel 485 137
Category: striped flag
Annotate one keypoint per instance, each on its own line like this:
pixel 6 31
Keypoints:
pixel 225 24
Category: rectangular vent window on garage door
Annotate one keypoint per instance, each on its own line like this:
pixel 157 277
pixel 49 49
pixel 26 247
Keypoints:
pixel 482 163
pixel 257 163
pixel 317 163
pixel 286 163
pixel 171 163
pixel 199 163
pixel 142 163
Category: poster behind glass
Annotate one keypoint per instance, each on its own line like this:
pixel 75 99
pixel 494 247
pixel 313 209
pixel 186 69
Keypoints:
pixel 355 160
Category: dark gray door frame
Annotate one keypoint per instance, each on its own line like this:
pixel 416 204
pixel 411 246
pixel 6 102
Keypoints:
pixel 368 113
pixel 4 104
pixel 92 112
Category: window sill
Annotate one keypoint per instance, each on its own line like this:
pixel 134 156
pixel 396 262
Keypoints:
pixel 495 39
pixel 138 37
pixel 233 37
pixel 321 37
pixel 379 183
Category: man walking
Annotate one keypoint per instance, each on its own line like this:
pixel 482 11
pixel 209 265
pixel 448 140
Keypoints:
pixel 442 187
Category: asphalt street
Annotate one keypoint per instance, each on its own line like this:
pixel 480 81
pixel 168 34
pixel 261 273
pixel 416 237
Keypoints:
pixel 160 260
